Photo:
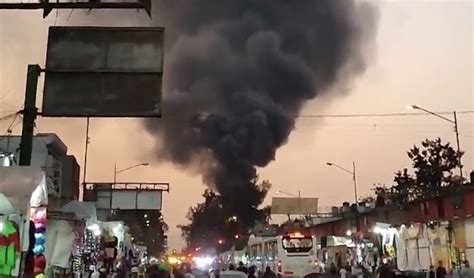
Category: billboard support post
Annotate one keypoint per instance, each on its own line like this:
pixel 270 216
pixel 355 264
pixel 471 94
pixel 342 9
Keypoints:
pixel 29 114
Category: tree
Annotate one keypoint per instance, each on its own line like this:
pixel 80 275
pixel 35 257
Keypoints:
pixel 146 226
pixel 222 216
pixel 433 164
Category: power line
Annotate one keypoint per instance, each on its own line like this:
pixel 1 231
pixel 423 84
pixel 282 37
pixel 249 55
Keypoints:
pixel 9 129
pixel 365 115
pixel 6 117
pixel 373 115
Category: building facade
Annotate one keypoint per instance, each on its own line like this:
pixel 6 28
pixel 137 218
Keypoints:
pixel 49 153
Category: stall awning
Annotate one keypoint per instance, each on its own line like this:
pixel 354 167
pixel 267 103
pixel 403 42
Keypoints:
pixel 24 186
pixel 83 210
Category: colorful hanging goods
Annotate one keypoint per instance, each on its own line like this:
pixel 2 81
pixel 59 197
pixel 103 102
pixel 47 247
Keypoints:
pixel 40 264
pixel 9 248
pixel 39 219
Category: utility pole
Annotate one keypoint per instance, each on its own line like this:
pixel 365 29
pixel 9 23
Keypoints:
pixel 29 115
pixel 457 143
pixel 456 131
pixel 355 182
pixel 352 173
pixel 86 151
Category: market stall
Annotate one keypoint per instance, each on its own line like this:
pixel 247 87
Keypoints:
pixel 63 231
pixel 86 245
pixel 23 215
pixel 413 247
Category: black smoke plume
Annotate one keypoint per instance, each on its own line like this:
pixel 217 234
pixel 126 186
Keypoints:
pixel 237 72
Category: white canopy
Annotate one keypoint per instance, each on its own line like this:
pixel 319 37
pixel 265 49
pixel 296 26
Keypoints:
pixel 83 210
pixel 6 207
pixel 24 187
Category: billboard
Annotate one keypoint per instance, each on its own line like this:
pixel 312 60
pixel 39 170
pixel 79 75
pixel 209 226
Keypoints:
pixel 287 206
pixel 103 72
pixel 136 200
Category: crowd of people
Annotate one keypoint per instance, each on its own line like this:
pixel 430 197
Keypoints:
pixel 388 270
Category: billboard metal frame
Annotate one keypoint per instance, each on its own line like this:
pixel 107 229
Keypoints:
pixel 126 187
pixel 48 6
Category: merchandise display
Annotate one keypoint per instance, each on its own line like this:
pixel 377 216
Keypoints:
pixel 39 219
pixel 9 247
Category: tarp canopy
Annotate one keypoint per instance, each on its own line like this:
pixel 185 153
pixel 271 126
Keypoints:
pixel 59 244
pixel 24 187
pixel 6 207
pixel 83 210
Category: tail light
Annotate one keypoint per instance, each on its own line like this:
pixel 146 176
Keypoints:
pixel 279 265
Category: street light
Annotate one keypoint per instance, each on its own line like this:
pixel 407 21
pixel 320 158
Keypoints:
pixel 126 169
pixel 454 122
pixel 289 194
pixel 352 173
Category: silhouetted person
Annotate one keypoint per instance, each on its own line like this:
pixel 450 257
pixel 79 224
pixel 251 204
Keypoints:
pixel 441 271
pixel 269 273
pixel 242 268
pixel 431 273
pixel 251 272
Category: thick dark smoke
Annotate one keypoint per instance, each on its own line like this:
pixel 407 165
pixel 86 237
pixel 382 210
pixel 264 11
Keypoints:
pixel 237 72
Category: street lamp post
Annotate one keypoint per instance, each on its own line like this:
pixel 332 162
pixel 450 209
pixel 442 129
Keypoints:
pixel 352 173
pixel 126 169
pixel 289 194
pixel 456 131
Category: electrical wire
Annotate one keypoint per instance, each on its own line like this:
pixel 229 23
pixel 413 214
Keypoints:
pixel 9 128
pixel 38 132
pixel 379 114
pixel 369 115
pixel 9 116
pixel 69 17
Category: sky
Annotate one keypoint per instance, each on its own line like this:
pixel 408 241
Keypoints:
pixel 423 55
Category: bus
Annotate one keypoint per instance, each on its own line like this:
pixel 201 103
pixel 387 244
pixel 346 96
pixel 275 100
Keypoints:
pixel 292 254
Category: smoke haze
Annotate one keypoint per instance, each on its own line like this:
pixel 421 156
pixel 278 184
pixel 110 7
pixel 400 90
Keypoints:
pixel 237 72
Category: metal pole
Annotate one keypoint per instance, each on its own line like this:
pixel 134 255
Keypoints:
pixel 115 173
pixel 355 182
pixel 86 149
pixel 29 115
pixel 457 142
pixel 299 202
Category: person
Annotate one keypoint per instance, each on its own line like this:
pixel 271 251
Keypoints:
pixel 343 273
pixel 269 273
pixel 231 267
pixel 251 272
pixel 333 270
pixel 94 273
pixel 356 271
pixel 242 268
pixel 431 272
pixel 441 271
pixel 384 270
